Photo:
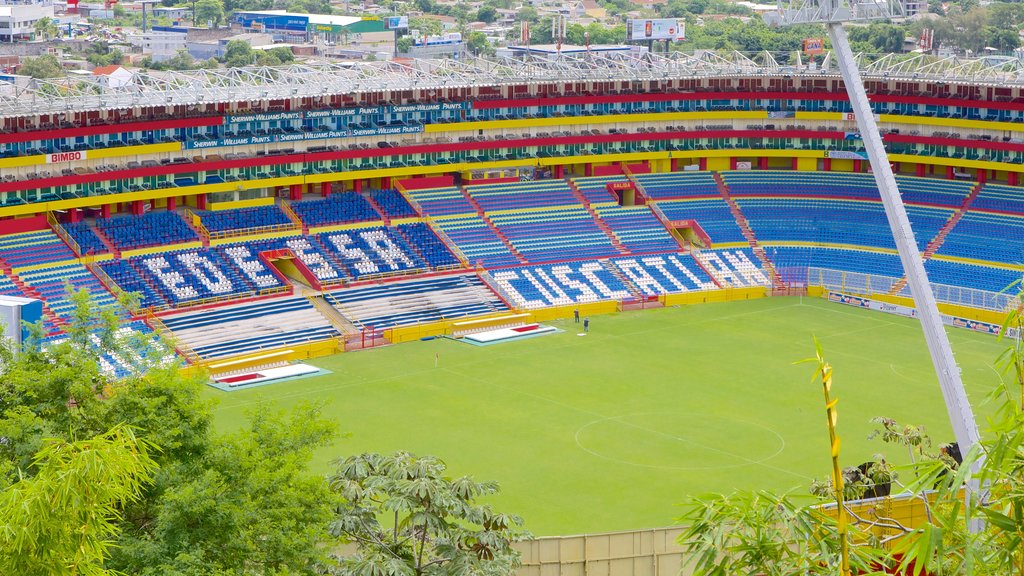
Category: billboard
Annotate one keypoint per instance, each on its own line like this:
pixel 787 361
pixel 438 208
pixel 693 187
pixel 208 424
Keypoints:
pixel 396 23
pixel 656 29
pixel 813 46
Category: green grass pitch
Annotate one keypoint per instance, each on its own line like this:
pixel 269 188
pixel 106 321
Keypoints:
pixel 612 430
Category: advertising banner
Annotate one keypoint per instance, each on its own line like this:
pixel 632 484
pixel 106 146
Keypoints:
pixel 814 46
pixel 250 140
pixel 657 29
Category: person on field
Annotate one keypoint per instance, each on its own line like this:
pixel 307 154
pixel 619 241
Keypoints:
pixel 586 324
pixel 576 315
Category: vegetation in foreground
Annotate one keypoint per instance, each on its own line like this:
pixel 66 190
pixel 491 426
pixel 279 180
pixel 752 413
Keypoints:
pixel 101 476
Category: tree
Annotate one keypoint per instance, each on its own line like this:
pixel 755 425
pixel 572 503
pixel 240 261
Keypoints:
pixel 478 44
pixel 45 66
pixel 487 13
pixel 434 524
pixel 238 53
pixel 45 28
pixel 310 6
pixel 404 44
pixel 528 14
pixel 232 505
pixel 246 505
pixel 209 11
pixel 102 54
pixel 63 519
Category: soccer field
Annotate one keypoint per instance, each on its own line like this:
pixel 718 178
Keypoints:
pixel 612 430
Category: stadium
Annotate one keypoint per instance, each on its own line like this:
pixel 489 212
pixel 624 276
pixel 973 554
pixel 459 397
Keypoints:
pixel 715 211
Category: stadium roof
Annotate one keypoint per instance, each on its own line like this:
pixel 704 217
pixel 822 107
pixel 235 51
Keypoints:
pixel 75 93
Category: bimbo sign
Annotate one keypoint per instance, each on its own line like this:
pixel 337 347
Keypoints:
pixel 59 157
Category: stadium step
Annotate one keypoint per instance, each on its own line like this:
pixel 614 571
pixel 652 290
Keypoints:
pixel 472 201
pixel 614 270
pixel 106 242
pixel 940 237
pixel 504 240
pixel 748 232
pixel 380 210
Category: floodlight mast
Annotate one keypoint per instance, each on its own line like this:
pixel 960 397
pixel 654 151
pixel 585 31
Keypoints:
pixel 833 13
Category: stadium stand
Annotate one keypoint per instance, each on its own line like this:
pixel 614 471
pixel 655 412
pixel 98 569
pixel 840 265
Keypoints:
pixel 371 251
pixel 198 274
pixel 713 216
pixel 255 218
pixel 342 208
pixel 674 185
pixel 792 261
pixel 53 284
pixel 951 193
pixel 519 195
pixel 110 362
pixel 595 188
pixel 128 279
pixel 655 275
pixel 9 288
pixel 442 201
pixel 1000 198
pixel 422 300
pixel 33 249
pixel 248 328
pixel 637 228
pixel 801 184
pixel 150 229
pixel 393 204
pixel 733 267
pixel 823 221
pixel 976 276
pixel 476 240
pixel 426 243
pixel 988 237
pixel 534 287
pixel 310 254
pixel 86 238
pixel 554 234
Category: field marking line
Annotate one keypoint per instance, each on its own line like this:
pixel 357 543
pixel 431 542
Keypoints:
pixel 848 332
pixel 747 461
pixel 604 417
pixel 892 367
pixel 340 384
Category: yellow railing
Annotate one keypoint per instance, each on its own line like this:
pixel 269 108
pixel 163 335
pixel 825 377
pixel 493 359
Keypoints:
pixel 408 198
pixel 290 213
pixel 63 234
pixel 165 333
pixel 328 314
pixel 447 242
pixel 197 223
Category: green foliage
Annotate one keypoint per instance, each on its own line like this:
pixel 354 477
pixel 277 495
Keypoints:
pixel 478 44
pixel 404 44
pixel 45 66
pixel 102 54
pixel 877 37
pixel 209 11
pixel 310 6
pixel 487 13
pixel 239 505
pixel 574 34
pixel 244 505
pixel 45 28
pixel 762 533
pixel 239 53
pixel 426 26
pixel 433 524
pixel 64 518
